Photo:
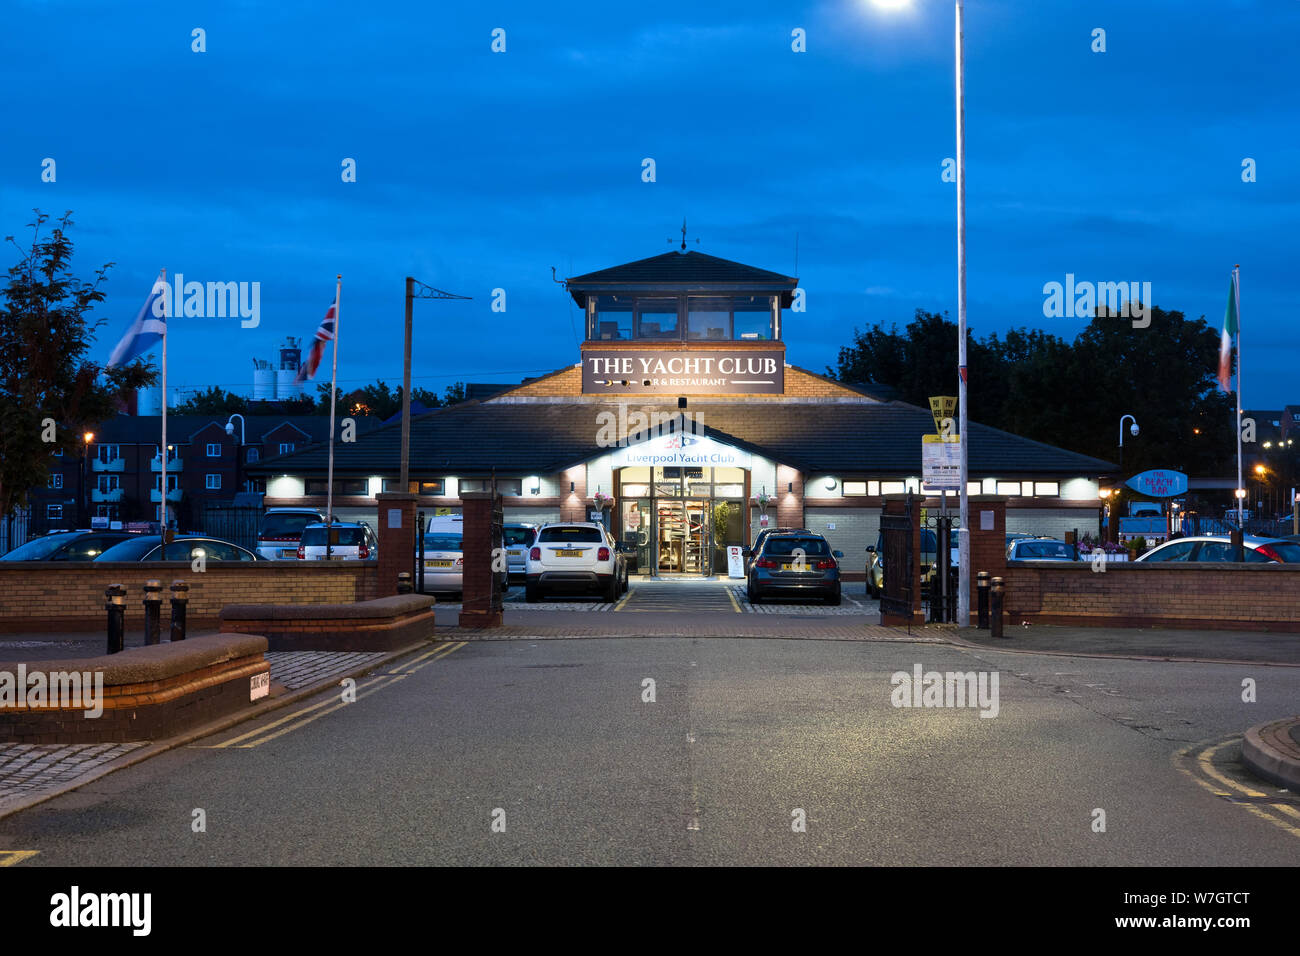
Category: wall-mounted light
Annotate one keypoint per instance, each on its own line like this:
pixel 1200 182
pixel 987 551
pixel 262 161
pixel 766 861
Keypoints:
pixel 830 483
pixel 571 487
pixel 789 487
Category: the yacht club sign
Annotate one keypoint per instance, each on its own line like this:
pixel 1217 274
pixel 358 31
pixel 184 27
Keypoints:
pixel 693 372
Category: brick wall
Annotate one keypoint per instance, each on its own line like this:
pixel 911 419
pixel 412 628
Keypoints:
pixel 1250 597
pixel 69 595
pixel 789 504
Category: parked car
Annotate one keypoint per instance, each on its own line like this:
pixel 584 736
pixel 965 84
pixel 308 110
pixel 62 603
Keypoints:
pixel 354 541
pixel 67 546
pixel 1040 549
pixel 517 539
pixel 184 547
pixel 778 570
pixel 748 553
pixel 1207 548
pixel 444 563
pixel 575 557
pixel 281 531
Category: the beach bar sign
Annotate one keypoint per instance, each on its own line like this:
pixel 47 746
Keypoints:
pixel 683 372
pixel 1159 483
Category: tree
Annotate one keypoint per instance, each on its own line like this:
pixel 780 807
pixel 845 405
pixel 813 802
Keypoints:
pixel 213 401
pixel 49 391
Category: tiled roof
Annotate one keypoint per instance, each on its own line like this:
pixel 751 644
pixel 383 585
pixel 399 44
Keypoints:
pixel 546 437
pixel 681 271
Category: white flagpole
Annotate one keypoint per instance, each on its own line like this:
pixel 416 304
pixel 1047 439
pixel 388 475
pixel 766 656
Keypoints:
pixel 1236 292
pixel 162 482
pixel 329 487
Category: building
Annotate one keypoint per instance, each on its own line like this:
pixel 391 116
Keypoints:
pixel 120 476
pixel 684 428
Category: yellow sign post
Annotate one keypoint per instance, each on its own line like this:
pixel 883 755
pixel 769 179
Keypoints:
pixel 942 407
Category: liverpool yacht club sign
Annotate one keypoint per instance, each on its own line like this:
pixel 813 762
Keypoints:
pixel 698 372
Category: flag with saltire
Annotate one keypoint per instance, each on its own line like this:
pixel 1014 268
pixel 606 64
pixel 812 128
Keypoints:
pixel 323 334
pixel 147 330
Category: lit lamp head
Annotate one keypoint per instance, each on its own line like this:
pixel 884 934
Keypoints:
pixel 88 437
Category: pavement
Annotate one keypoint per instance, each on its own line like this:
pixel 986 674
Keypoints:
pixel 1168 644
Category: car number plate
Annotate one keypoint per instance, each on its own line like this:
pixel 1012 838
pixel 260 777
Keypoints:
pixel 516 554
pixel 437 564
pixel 569 552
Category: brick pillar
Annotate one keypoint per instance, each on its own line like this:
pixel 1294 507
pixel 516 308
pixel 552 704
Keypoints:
pixel 789 504
pixel 988 546
pixel 573 504
pixel 481 586
pixel 396 539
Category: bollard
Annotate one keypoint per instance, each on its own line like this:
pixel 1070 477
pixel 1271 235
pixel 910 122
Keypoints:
pixel 404 582
pixel 995 622
pixel 982 592
pixel 152 611
pixel 180 597
pixel 115 605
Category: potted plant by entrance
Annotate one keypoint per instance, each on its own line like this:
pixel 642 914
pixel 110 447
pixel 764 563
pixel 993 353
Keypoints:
pixel 762 499
pixel 603 500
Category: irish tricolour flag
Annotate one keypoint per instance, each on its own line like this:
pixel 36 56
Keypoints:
pixel 1230 329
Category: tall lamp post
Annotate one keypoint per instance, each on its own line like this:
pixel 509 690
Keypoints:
pixel 86 439
pixel 1133 430
pixel 425 292
pixel 239 451
pixel 963 532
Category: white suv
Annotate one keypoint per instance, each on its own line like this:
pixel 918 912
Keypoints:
pixel 575 556
pixel 354 542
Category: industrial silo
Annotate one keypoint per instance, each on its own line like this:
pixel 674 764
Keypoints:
pixel 286 384
pixel 264 380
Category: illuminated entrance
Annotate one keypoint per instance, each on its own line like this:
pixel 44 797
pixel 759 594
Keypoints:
pixel 681 518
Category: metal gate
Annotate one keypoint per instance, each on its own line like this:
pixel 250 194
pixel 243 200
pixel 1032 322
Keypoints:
pixel 236 523
pixel 897 562
pixel 940 581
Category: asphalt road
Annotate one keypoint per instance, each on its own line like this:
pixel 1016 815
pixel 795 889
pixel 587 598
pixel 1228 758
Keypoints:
pixel 741 733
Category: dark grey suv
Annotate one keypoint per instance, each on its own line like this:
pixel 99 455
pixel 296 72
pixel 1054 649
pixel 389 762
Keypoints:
pixel 794 565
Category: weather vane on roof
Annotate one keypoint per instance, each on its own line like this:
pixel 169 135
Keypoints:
pixel 697 241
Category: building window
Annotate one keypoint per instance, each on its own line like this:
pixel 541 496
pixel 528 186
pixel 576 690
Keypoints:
pixel 1051 489
pixel 108 453
pixel 214 450
pixel 752 318
pixel 253 455
pixel 505 486
pixel 429 487
pixel 172 482
pixel 106 511
pixel 286 447
pixel 54 512
pixel 893 487
pixel 855 488
pixel 54 481
pixel 1011 488
pixel 107 483
pixel 656 318
pixel 708 319
pixel 612 319
pixel 342 486
pixel 213 482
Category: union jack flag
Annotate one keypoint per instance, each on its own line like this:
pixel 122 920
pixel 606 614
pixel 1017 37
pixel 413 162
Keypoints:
pixel 323 334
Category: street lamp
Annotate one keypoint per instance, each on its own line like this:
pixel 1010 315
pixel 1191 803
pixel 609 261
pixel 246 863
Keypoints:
pixel 86 439
pixel 1133 430
pixel 239 452
pixel 1104 495
pixel 963 533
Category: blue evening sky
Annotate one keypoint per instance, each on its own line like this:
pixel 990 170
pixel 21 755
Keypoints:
pixel 479 170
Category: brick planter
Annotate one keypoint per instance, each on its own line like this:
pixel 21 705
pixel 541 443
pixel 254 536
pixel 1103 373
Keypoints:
pixel 385 624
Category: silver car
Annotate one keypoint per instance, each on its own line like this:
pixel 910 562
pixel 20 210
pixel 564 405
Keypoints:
pixel 1208 548
pixel 444 563
pixel 518 538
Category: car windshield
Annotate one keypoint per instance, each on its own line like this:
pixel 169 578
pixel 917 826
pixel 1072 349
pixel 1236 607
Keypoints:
pixel 442 542
pixel 41 548
pixel 348 537
pixel 562 534
pixel 811 547
pixel 517 535
pixel 1044 549
pixel 131 550
pixel 285 525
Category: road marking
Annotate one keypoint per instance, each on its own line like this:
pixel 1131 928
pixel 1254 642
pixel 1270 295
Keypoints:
pixel 1200 756
pixel 305 715
pixel 733 601
pixel 626 597
pixel 12 857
